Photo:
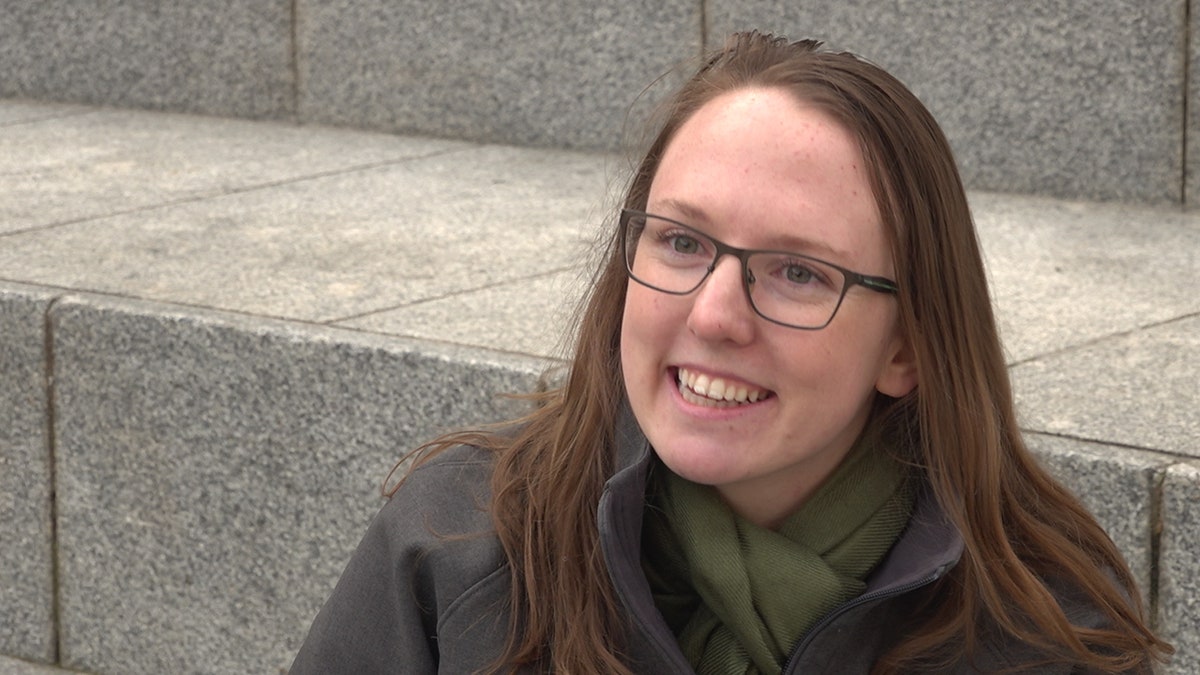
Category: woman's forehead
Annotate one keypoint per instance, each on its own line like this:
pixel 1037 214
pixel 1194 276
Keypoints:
pixel 761 169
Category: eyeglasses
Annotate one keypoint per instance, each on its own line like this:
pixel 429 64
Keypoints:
pixel 790 289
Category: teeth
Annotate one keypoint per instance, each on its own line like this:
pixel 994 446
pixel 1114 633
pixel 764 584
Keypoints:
pixel 701 389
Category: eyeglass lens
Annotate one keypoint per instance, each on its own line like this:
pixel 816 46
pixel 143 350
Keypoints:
pixel 786 288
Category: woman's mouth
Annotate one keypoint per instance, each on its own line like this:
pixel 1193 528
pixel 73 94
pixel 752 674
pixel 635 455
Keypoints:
pixel 716 392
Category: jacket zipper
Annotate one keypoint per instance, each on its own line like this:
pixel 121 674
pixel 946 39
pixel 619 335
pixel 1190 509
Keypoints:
pixel 846 607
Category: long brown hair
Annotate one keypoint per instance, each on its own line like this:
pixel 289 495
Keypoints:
pixel 1020 527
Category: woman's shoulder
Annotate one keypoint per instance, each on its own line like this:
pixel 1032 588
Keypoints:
pixel 428 566
pixel 1000 650
pixel 437 527
pixel 444 496
pixel 464 466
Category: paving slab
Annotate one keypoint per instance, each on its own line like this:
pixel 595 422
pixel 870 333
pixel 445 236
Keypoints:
pixel 1179 586
pixel 1065 273
pixel 560 74
pixel 527 316
pixel 334 247
pixel 1137 389
pixel 62 168
pixel 222 57
pixel 216 471
pixel 343 243
pixel 27 616
pixel 1121 489
pixel 1080 100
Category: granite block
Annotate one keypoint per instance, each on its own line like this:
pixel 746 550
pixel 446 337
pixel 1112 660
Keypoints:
pixel 1119 487
pixel 341 245
pixel 208 56
pixel 1179 585
pixel 17 667
pixel 1136 389
pixel 560 74
pixel 64 169
pixel 1191 184
pixel 26 478
pixel 527 316
pixel 1059 97
pixel 1067 273
pixel 216 471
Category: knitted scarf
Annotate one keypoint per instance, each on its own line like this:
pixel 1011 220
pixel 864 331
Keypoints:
pixel 740 597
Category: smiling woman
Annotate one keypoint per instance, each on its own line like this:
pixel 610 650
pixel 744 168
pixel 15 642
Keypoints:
pixel 755 167
pixel 786 443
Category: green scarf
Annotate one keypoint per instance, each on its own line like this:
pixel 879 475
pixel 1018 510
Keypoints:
pixel 739 597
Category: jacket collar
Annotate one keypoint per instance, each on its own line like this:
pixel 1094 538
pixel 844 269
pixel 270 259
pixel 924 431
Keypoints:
pixel 633 450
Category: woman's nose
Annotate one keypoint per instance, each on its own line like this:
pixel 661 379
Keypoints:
pixel 720 309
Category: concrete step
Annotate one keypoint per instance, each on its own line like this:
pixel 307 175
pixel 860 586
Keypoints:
pixel 217 335
pixel 1077 100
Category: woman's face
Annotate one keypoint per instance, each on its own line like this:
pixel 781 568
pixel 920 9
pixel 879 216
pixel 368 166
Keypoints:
pixel 755 168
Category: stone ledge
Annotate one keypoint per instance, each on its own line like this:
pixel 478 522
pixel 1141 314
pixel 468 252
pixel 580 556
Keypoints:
pixel 227 465
pixel 27 625
pixel 216 471
pixel 1179 578
pixel 1120 487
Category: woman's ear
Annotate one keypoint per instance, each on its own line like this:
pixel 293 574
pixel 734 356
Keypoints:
pixel 898 375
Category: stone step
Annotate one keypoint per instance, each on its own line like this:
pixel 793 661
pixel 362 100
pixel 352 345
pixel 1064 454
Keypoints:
pixel 1061 98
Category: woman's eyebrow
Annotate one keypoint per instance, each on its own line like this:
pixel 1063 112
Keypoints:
pixel 788 243
pixel 680 210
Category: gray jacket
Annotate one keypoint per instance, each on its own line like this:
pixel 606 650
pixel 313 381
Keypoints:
pixel 427 590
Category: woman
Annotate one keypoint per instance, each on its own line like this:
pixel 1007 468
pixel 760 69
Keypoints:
pixel 786 442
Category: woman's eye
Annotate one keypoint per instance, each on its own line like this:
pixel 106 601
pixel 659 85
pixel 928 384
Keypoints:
pixel 681 243
pixel 798 274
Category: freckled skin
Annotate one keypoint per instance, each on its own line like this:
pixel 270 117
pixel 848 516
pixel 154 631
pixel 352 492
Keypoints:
pixel 748 168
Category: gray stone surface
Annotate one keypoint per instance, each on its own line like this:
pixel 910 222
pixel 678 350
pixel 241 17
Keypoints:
pixel 208 56
pixel 1179 587
pixel 527 316
pixel 1192 170
pixel 1067 273
pixel 338 246
pixel 1119 486
pixel 217 466
pixel 542 73
pixel 26 475
pixel 20 112
pixel 1137 389
pixel 216 471
pixel 1058 97
pixel 17 667
pixel 71 168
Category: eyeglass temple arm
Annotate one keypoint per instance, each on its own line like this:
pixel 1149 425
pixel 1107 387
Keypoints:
pixel 878 284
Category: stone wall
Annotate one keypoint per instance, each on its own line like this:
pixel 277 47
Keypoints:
pixel 195 480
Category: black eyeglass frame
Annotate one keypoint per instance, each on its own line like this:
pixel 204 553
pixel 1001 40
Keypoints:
pixel 850 277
